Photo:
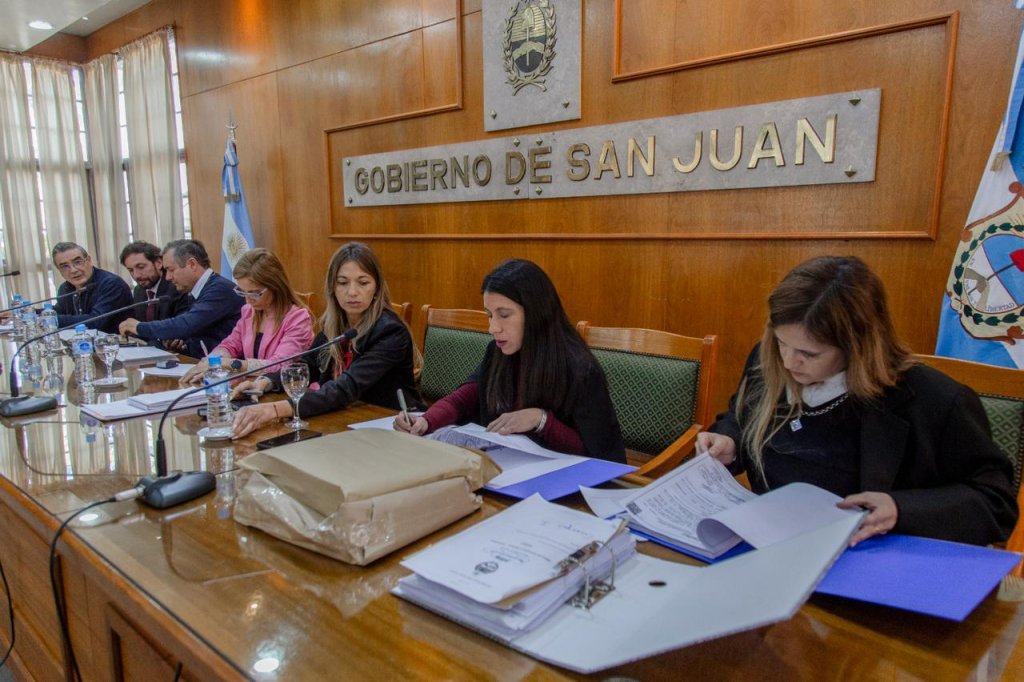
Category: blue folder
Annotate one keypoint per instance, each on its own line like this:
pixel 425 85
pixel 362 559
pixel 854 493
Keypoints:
pixel 741 548
pixel 934 577
pixel 566 481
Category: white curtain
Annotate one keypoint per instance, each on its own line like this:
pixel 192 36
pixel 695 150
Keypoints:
pixel 105 148
pixel 61 162
pixel 153 167
pixel 19 192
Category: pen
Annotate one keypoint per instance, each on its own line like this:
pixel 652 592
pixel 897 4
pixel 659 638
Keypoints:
pixel 405 408
pixel 202 345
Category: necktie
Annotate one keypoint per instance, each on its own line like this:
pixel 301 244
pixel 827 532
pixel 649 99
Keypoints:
pixel 151 307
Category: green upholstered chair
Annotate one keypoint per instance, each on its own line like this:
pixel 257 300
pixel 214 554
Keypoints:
pixel 660 384
pixel 1002 394
pixel 453 345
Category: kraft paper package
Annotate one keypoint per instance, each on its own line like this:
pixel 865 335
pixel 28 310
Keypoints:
pixel 360 495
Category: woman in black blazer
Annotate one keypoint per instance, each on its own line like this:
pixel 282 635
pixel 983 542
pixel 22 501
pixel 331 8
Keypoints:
pixel 830 396
pixel 380 360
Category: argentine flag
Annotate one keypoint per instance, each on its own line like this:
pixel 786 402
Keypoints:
pixel 982 316
pixel 237 237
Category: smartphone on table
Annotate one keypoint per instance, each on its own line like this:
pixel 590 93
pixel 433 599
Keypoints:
pixel 287 438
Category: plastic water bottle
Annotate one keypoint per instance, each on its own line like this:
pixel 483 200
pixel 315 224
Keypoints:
pixel 81 348
pixel 48 323
pixel 19 329
pixel 218 405
pixel 32 353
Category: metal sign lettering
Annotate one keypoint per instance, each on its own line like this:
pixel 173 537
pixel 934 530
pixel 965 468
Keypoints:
pixel 830 139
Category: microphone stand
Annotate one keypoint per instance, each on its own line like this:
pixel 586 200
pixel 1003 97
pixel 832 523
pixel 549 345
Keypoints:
pixel 18 405
pixel 52 298
pixel 163 490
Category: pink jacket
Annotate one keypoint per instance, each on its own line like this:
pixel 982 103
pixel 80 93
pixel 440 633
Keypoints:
pixel 292 336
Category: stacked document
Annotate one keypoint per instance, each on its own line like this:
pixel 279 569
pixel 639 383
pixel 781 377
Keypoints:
pixel 142 355
pixel 143 404
pixel 655 605
pixel 527 468
pixel 701 510
pixel 508 574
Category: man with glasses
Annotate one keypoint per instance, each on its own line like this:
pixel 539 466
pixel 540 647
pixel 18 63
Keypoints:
pixel 93 291
pixel 214 306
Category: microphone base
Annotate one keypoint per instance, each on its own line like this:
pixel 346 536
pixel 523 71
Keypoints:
pixel 177 488
pixel 26 404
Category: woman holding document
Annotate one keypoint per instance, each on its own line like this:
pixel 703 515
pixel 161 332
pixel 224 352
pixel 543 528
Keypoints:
pixel 372 367
pixel 537 376
pixel 830 396
pixel 274 324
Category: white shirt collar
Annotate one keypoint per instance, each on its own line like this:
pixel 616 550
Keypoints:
pixel 198 288
pixel 822 392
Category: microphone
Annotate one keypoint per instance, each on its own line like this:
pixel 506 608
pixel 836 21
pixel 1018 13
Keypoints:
pixel 12 273
pixel 18 405
pixel 47 300
pixel 163 491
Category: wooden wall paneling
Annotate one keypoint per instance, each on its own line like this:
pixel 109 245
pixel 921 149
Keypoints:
pixel 258 141
pixel 105 40
pixel 66 46
pixel 150 17
pixel 224 42
pixel 304 30
pixel 912 66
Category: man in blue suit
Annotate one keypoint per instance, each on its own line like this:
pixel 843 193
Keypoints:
pixel 215 305
pixel 87 291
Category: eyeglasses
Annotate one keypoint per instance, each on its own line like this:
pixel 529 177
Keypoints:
pixel 251 295
pixel 75 264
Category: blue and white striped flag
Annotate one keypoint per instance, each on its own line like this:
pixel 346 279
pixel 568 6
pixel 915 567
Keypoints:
pixel 237 237
pixel 982 315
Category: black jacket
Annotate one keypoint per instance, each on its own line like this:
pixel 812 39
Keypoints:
pixel 382 363
pixel 593 417
pixel 926 442
pixel 108 292
pixel 178 303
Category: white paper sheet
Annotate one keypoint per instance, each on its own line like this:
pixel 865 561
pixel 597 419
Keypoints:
pixel 519 548
pixel 386 423
pixel 606 503
pixel 676 503
pixel 135 355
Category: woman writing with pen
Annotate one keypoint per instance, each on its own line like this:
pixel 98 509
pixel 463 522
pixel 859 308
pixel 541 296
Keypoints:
pixel 380 360
pixel 536 378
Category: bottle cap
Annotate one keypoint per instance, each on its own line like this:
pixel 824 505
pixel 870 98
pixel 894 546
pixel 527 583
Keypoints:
pixel 47 306
pixel 214 360
pixel 79 327
pixel 25 303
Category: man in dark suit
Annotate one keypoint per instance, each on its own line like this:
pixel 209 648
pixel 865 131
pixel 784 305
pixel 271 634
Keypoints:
pixel 94 291
pixel 146 266
pixel 215 307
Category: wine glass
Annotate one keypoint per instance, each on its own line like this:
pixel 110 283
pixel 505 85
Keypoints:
pixel 108 345
pixel 295 379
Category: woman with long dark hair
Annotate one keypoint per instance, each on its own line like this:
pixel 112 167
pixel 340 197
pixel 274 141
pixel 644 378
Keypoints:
pixel 537 376
pixel 372 367
pixel 831 396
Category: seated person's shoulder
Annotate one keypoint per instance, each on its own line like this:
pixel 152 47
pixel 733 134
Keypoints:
pixel 928 383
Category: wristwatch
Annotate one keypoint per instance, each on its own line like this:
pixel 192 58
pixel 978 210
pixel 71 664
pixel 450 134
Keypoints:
pixel 236 364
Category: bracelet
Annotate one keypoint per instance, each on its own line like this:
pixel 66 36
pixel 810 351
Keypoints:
pixel 543 421
pixel 276 415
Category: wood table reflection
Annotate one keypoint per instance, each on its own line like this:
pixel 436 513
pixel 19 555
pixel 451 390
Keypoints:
pixel 148 589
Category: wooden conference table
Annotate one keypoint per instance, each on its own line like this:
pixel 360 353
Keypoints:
pixel 147 590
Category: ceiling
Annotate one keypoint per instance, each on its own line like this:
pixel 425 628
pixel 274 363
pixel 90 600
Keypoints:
pixel 64 15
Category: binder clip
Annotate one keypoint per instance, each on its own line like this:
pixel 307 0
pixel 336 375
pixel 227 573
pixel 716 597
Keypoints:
pixel 592 591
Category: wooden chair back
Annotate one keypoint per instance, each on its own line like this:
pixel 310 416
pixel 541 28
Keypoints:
pixel 404 311
pixel 660 384
pixel 454 341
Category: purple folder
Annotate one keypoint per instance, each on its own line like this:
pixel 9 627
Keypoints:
pixel 934 577
pixel 566 481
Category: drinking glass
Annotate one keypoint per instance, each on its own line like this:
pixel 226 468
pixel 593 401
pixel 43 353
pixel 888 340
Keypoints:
pixel 108 345
pixel 295 379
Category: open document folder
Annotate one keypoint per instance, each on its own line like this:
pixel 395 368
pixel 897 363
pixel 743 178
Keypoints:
pixel 527 468
pixel 653 606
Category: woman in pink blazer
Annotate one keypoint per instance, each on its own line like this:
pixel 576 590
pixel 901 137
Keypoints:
pixel 274 324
